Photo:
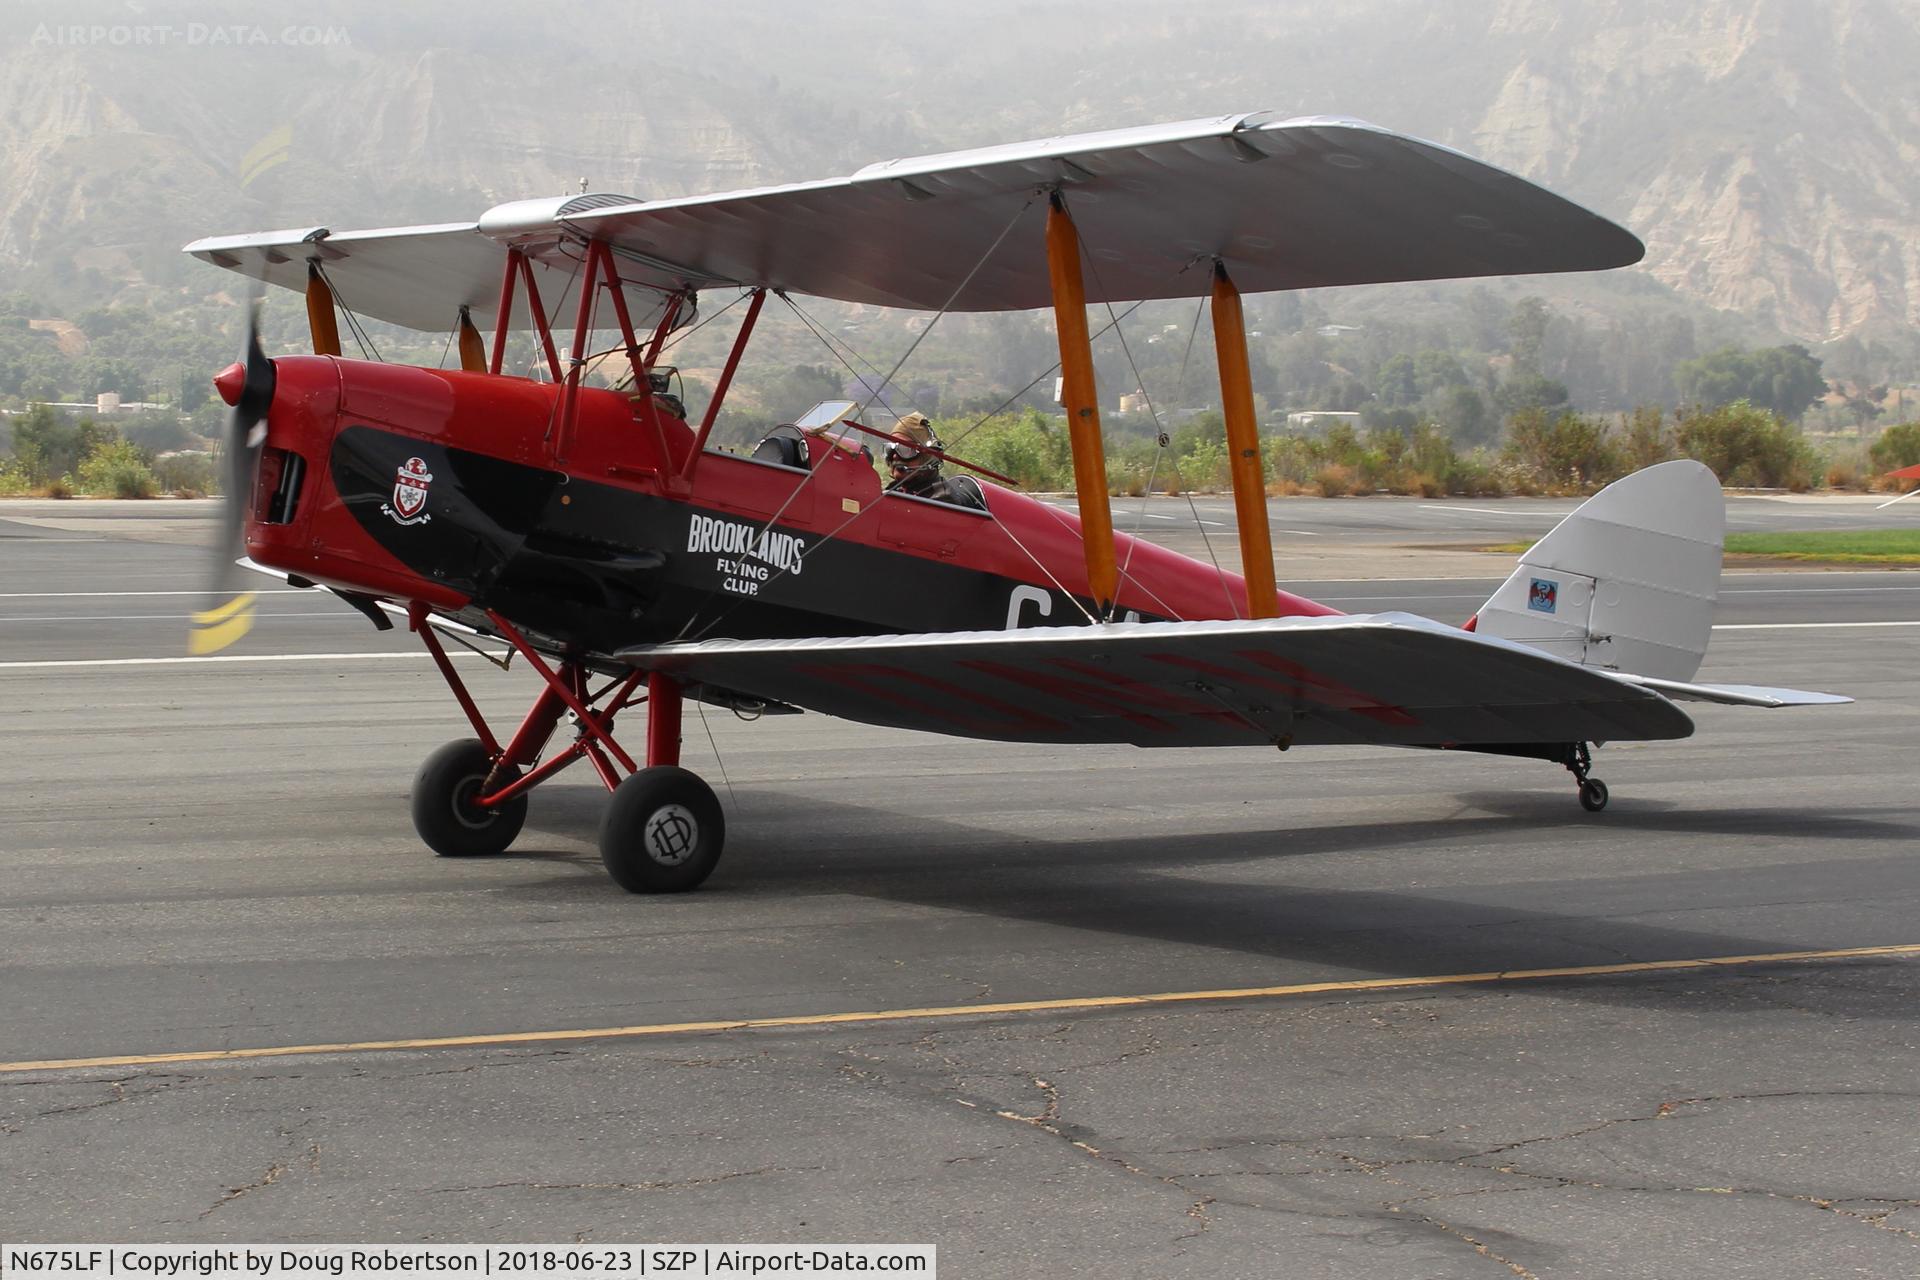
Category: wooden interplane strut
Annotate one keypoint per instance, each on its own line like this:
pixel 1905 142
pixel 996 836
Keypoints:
pixel 1080 397
pixel 1243 447
pixel 321 321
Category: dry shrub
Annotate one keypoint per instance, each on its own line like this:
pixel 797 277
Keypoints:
pixel 1334 481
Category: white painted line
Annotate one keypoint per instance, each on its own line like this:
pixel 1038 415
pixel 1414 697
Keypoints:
pixel 227 658
pixel 1302 533
pixel 115 595
pixel 1489 511
pixel 168 617
pixel 1804 626
pixel 1805 591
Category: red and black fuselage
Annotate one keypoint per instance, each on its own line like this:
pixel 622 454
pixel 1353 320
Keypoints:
pixel 458 490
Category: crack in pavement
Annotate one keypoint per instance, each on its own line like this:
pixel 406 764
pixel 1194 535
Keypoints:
pixel 1048 1122
pixel 679 1184
pixel 1480 1247
pixel 162 1081
pixel 271 1176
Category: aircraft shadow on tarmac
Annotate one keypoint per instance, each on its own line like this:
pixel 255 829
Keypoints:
pixel 1162 889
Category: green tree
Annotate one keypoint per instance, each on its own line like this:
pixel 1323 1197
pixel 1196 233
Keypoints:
pixel 1746 446
pixel 1397 382
pixel 1565 450
pixel 1781 380
pixel 117 469
pixel 1897 447
pixel 45 444
pixel 1527 390
pixel 792 393
pixel 1464 414
pixel 1437 371
pixel 1528 326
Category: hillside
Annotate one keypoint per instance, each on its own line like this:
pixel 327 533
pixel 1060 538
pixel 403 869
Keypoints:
pixel 1762 148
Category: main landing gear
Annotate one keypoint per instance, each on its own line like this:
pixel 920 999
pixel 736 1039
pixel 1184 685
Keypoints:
pixel 663 831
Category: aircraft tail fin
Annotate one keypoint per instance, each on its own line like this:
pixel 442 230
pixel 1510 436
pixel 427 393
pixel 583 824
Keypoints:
pixel 1627 582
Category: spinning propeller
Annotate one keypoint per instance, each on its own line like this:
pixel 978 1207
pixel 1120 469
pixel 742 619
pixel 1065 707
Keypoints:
pixel 247 385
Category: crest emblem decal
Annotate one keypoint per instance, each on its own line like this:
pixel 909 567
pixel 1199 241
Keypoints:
pixel 409 505
pixel 1544 597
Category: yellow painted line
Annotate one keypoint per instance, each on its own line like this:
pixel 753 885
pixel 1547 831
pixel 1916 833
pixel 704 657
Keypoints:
pixel 952 1011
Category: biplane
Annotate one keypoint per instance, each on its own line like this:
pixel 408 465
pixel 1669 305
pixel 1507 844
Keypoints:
pixel 598 534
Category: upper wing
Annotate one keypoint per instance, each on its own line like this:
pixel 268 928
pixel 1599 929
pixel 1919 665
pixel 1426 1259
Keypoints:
pixel 1386 678
pixel 418 277
pixel 1285 204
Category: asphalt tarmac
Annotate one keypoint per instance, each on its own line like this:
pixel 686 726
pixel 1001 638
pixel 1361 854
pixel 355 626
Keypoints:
pixel 207 858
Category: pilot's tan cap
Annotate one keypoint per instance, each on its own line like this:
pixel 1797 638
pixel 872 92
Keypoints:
pixel 915 427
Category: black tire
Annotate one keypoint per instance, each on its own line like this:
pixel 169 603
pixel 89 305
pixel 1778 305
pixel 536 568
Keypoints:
pixel 663 831
pixel 1593 795
pixel 443 809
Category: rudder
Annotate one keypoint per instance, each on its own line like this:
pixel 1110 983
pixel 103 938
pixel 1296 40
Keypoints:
pixel 1628 582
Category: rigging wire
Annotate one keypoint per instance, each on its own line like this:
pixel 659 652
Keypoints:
pixel 360 335
pixel 702 709
pixel 952 297
pixel 1051 369
pixel 1220 574
pixel 827 340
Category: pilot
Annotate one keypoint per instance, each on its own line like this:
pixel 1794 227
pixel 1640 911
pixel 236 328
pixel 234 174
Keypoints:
pixel 914 470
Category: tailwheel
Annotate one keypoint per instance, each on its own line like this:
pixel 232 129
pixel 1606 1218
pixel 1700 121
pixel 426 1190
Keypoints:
pixel 444 812
pixel 1593 795
pixel 663 831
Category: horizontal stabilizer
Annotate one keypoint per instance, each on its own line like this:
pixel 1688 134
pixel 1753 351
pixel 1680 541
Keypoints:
pixel 1391 679
pixel 1736 695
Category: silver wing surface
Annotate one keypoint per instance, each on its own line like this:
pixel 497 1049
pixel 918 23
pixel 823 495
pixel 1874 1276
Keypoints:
pixel 1390 678
pixel 1285 204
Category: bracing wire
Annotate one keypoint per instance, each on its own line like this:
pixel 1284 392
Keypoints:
pixel 951 299
pixel 701 708
pixel 1220 574
pixel 360 336
pixel 1050 370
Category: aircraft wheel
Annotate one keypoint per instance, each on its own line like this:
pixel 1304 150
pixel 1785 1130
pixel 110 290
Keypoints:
pixel 443 810
pixel 663 831
pixel 1593 795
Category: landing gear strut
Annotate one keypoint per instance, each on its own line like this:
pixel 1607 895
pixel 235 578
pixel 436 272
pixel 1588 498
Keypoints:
pixel 664 830
pixel 1593 792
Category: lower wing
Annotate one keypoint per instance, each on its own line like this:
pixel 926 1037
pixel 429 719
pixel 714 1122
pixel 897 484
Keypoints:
pixel 1391 679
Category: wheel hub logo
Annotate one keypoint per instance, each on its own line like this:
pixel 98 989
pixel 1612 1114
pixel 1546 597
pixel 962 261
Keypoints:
pixel 409 505
pixel 670 834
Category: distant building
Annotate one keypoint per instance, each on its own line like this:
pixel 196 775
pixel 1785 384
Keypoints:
pixel 1338 330
pixel 104 405
pixel 1320 419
